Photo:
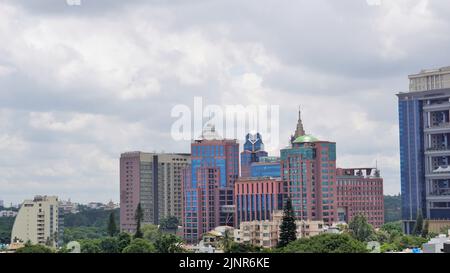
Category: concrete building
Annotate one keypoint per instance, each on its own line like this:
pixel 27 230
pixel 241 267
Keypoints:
pixel 154 181
pixel 360 191
pixel 253 151
pixel 308 169
pixel 39 221
pixel 209 184
pixel 2 204
pixel 424 118
pixel 8 213
pixel 268 166
pixel 68 206
pixel 267 233
pixel 435 245
pixel 256 198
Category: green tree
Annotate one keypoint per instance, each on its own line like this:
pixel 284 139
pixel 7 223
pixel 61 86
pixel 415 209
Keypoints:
pixel 360 229
pixel 226 241
pixel 392 208
pixel 408 241
pixel 169 224
pixel 109 245
pixel 288 228
pixel 242 248
pixel 419 224
pixel 139 245
pixel 112 227
pixel 90 246
pixel 139 217
pixel 326 243
pixel 169 243
pixel 124 240
pixel 34 249
pixel 425 230
pixel 151 233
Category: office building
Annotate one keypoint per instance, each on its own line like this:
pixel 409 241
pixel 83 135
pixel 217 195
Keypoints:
pixel 154 181
pixel 360 191
pixel 308 169
pixel 208 184
pixel 253 151
pixel 39 221
pixel 268 166
pixel 256 198
pixel 424 118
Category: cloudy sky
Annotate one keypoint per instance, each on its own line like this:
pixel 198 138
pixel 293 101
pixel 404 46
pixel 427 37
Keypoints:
pixel 79 84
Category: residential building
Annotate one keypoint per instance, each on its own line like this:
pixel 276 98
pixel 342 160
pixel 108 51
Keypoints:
pixel 8 213
pixel 424 118
pixel 268 166
pixel 39 221
pixel 308 169
pixel 68 207
pixel 2 204
pixel 209 183
pixel 256 198
pixel 253 151
pixel 360 191
pixel 266 233
pixel 154 181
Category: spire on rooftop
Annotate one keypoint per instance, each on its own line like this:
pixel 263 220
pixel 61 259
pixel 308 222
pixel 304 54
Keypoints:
pixel 299 131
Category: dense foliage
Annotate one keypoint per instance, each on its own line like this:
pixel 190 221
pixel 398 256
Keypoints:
pixel 288 228
pixel 6 224
pixel 326 243
pixel 392 208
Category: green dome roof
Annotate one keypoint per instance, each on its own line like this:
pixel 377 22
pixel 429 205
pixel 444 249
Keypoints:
pixel 306 138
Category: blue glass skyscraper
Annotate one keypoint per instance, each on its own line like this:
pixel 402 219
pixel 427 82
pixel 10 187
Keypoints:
pixel 424 126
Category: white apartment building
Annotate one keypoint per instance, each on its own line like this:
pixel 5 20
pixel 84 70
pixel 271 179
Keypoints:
pixel 38 221
pixel 266 233
pixel 8 213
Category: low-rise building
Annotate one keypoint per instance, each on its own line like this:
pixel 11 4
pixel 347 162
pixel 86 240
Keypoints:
pixel 8 213
pixel 68 207
pixel 435 245
pixel 266 233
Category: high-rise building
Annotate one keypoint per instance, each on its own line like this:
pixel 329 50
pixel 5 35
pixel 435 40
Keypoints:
pixel 308 169
pixel 39 221
pixel 253 151
pixel 266 167
pixel 424 118
pixel 208 184
pixel 2 204
pixel 360 191
pixel 154 181
pixel 256 198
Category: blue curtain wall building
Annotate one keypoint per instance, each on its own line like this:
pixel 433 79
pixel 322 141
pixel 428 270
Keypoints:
pixel 208 186
pixel 424 130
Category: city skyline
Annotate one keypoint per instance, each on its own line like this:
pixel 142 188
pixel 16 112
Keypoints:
pixel 79 87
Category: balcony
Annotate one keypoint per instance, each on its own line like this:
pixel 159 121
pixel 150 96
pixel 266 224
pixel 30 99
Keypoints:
pixel 440 172
pixel 442 127
pixel 436 107
pixel 438 151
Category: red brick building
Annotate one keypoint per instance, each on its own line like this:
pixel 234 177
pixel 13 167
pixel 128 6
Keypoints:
pixel 360 191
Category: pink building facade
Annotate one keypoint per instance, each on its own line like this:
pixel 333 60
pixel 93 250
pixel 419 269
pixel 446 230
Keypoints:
pixel 208 185
pixel 256 198
pixel 360 191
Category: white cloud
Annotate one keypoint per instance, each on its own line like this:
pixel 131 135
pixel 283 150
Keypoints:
pixel 79 86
